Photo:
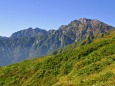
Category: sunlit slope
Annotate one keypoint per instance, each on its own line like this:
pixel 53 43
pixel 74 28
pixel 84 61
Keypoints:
pixel 86 65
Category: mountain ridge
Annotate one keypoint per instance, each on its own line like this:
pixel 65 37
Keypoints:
pixel 30 28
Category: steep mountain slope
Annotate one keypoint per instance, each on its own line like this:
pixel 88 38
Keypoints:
pixel 36 42
pixel 87 65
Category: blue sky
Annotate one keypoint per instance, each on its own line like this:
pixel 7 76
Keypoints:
pixel 16 15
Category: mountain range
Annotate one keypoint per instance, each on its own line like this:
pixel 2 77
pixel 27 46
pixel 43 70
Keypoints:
pixel 31 43
pixel 87 62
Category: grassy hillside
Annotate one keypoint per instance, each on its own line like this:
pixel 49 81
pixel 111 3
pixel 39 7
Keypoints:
pixel 86 65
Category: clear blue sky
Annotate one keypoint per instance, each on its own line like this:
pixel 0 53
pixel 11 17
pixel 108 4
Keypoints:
pixel 16 15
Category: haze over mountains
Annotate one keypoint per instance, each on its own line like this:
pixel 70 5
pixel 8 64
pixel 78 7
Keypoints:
pixel 31 43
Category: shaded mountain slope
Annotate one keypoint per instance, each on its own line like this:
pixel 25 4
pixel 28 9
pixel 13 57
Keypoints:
pixel 30 43
pixel 89 64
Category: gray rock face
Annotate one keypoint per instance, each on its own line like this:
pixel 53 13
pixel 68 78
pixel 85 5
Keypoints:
pixel 30 43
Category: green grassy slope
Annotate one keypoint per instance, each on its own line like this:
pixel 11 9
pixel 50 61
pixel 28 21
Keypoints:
pixel 87 65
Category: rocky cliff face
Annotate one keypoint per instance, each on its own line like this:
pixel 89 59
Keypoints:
pixel 29 43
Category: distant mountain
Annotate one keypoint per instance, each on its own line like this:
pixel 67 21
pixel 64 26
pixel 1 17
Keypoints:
pixel 3 37
pixel 29 43
pixel 30 32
